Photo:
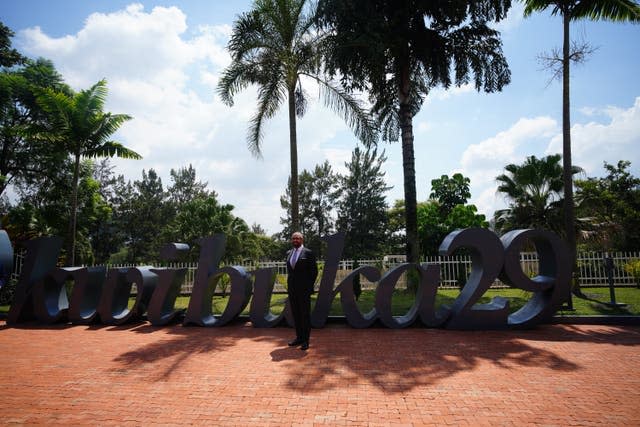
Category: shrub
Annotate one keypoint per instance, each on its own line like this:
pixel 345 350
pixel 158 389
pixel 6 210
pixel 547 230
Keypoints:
pixel 633 268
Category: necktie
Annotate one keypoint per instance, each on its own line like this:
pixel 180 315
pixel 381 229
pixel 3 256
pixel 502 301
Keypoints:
pixel 294 257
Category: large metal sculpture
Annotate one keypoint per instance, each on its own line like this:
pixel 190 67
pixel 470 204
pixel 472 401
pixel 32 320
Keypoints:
pixel 487 259
pixel 260 311
pixel 41 292
pixel 550 287
pixel 6 258
pixel 88 283
pixel 162 305
pixel 40 260
pixel 208 274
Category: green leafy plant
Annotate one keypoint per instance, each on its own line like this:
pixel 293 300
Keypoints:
pixel 633 268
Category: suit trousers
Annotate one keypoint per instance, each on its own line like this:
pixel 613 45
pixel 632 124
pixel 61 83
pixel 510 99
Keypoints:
pixel 300 302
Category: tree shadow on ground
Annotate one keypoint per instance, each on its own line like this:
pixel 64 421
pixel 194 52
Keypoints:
pixel 397 361
pixel 605 308
pixel 394 361
pixel 182 342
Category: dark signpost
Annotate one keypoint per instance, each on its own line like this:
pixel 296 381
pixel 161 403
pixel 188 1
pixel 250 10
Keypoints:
pixel 609 268
pixel 102 296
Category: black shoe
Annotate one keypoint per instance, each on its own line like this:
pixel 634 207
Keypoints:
pixel 304 346
pixel 297 341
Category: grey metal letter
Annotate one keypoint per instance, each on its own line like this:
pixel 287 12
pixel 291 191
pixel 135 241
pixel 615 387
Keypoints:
pixel 41 257
pixel 260 313
pixel 429 282
pixel 161 307
pixel 551 287
pixel 487 255
pixel 207 276
pixel 348 298
pixel 335 245
pixel 211 252
pixel 6 258
pixel 88 283
pixel 115 297
pixel 114 308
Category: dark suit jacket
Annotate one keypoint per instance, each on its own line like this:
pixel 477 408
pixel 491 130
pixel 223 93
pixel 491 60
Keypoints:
pixel 303 275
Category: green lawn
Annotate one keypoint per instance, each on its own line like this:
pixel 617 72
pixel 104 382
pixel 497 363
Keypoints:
pixel 594 305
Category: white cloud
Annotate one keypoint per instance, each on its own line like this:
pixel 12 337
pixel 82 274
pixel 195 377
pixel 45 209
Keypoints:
pixel 165 77
pixel 501 149
pixel 164 74
pixel 513 20
pixel 484 161
pixel 593 143
pixel 128 44
pixel 442 94
pixel 423 127
pixel 616 138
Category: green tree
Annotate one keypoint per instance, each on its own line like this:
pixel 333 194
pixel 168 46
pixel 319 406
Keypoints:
pixel 323 200
pixel 399 50
pixel 146 216
pixel 108 233
pixel 258 247
pixel 185 186
pixel 450 191
pixel 465 216
pixel 78 122
pixel 274 46
pixel 396 239
pixel 8 56
pixel 305 224
pixel 25 158
pixel 205 216
pixel 573 10
pixel 362 209
pixel 42 208
pixel 446 211
pixel 318 192
pixel 534 192
pixel 609 209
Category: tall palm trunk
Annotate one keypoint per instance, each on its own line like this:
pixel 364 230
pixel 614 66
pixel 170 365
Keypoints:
pixel 408 165
pixel 4 165
pixel 71 244
pixel 293 149
pixel 567 176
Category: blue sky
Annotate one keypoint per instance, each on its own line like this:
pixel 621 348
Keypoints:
pixel 162 60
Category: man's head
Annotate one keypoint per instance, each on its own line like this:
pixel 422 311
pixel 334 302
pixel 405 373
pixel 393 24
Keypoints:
pixel 297 239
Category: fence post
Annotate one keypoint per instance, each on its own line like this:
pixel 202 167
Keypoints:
pixel 608 265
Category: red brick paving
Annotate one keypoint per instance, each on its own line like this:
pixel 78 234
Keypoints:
pixel 236 375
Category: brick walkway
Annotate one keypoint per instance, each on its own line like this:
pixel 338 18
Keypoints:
pixel 237 375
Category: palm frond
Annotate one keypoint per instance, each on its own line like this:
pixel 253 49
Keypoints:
pixel 234 79
pixel 250 35
pixel 270 97
pixel 112 149
pixel 531 6
pixel 609 10
pixel 57 105
pixel 350 109
pixel 106 124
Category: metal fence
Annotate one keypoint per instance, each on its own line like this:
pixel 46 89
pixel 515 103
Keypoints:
pixel 453 270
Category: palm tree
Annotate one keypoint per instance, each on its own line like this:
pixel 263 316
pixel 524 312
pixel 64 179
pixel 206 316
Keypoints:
pixel 79 124
pixel 534 190
pixel 273 46
pixel 398 50
pixel 572 10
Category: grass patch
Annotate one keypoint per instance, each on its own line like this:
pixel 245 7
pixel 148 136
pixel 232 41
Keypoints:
pixel 596 304
pixel 597 299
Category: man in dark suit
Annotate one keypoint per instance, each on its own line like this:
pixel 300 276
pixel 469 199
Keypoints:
pixel 302 271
